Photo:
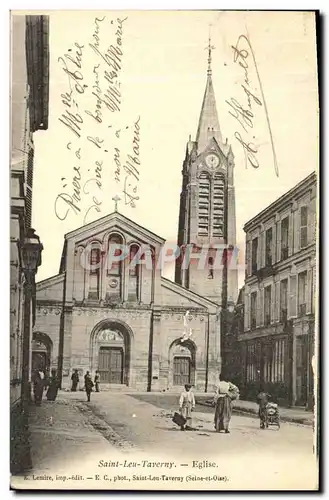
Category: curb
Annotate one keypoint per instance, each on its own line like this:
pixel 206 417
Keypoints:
pixel 252 413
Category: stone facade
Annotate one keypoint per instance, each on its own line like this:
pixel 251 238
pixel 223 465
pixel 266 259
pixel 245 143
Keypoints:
pixel 81 323
pixel 277 344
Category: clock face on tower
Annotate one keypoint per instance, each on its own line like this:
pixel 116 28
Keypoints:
pixel 212 160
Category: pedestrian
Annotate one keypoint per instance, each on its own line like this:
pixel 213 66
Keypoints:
pixel 88 385
pixel 53 386
pixel 97 380
pixel 186 406
pixel 75 380
pixel 38 388
pixel 225 394
pixel 262 400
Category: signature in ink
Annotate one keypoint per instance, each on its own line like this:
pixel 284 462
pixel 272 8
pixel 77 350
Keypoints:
pixel 90 184
pixel 245 114
pixel 72 66
pixel 131 167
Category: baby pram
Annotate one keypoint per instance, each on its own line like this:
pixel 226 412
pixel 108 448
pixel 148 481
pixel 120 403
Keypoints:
pixel 272 415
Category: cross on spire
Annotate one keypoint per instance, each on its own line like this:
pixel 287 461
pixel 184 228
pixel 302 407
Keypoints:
pixel 209 48
pixel 116 199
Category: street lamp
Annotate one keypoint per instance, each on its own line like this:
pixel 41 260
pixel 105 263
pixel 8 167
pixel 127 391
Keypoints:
pixel 30 259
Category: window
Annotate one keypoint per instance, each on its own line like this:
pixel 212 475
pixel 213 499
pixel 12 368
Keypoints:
pixel 284 300
pixel 94 273
pixel 251 363
pixel 210 268
pixel 267 305
pixel 218 206
pixel 114 269
pixel 302 280
pixel 204 204
pixel 134 273
pixel 267 361
pixel 253 308
pixel 303 227
pixel 278 356
pixel 292 296
pixel 254 251
pixel 268 247
pixel 114 251
pixel 284 238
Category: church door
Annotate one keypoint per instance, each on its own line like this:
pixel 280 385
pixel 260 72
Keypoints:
pixel 111 365
pixel 182 370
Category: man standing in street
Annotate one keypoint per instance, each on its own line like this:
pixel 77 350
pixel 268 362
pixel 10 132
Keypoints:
pixel 97 380
pixel 88 385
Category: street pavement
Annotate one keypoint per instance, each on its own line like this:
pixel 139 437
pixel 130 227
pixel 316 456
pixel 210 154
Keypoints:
pixel 71 432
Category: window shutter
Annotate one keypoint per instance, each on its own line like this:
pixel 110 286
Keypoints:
pixel 249 257
pixel 309 291
pixel 261 307
pixel 261 250
pixel 247 312
pixel 276 301
pixel 292 297
pixel 258 316
pixel 278 242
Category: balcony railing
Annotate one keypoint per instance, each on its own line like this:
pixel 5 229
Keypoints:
pixel 267 320
pixel 283 315
pixel 302 310
pixel 265 272
pixel 284 253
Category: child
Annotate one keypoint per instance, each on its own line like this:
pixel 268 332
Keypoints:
pixel 262 399
pixel 186 406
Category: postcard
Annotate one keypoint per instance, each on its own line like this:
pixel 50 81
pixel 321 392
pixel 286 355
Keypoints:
pixel 163 250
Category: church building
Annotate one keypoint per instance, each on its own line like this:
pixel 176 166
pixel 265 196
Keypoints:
pixel 137 328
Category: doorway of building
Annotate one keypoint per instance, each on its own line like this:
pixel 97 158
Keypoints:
pixel 110 365
pixel 39 361
pixel 182 370
pixel 41 352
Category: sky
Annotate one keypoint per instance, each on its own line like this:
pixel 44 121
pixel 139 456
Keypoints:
pixel 162 76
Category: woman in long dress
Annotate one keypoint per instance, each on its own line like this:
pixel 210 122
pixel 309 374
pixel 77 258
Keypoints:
pixel 38 385
pixel 53 386
pixel 225 394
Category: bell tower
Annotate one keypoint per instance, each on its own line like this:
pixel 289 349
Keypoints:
pixel 207 207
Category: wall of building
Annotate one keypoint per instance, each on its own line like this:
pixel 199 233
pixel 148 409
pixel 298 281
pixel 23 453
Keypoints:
pixel 272 327
pixel 19 151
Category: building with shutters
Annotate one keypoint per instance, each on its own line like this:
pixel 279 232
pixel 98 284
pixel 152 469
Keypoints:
pixel 277 341
pixel 29 113
pixel 135 327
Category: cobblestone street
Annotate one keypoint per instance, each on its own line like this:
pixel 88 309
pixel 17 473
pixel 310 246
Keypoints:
pixel 70 437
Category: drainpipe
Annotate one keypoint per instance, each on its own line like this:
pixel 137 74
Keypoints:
pixel 61 336
pixel 149 378
pixel 207 357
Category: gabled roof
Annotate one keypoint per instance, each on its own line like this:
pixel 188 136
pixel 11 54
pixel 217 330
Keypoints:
pixel 53 280
pixel 175 287
pixel 114 217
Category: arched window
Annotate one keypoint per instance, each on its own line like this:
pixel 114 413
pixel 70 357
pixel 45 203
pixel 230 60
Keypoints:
pixel 218 206
pixel 114 268
pixel 94 272
pixel 204 203
pixel 134 273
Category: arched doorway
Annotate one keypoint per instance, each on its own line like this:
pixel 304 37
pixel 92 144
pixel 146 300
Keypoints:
pixel 41 352
pixel 182 363
pixel 111 351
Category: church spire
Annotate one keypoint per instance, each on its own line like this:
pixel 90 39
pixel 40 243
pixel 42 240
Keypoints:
pixel 208 121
